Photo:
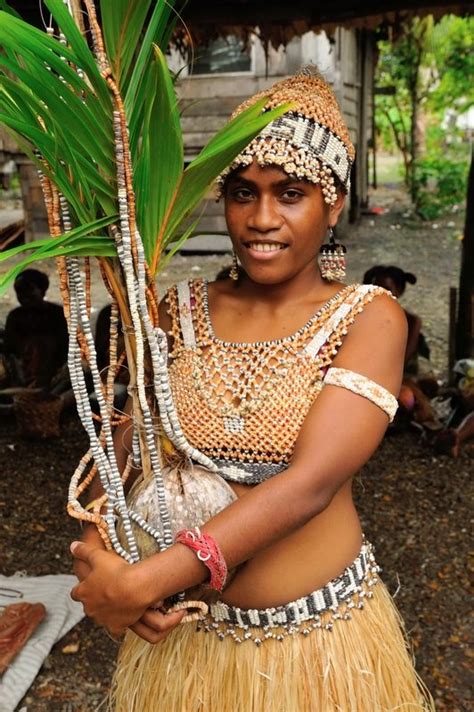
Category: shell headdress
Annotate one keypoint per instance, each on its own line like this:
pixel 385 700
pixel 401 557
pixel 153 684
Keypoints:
pixel 310 142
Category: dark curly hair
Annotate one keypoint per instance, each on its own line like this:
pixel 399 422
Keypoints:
pixel 33 276
pixel 380 272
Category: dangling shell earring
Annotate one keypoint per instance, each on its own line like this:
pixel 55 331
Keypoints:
pixel 234 270
pixel 332 261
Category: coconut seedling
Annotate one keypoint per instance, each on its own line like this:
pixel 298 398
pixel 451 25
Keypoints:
pixel 93 104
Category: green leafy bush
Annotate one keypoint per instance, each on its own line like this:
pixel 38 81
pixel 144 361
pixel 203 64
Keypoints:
pixel 441 183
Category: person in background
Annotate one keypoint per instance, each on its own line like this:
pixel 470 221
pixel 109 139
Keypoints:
pixel 415 393
pixel 395 280
pixel 36 336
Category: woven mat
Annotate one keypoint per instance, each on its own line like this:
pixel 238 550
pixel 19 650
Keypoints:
pixel 62 613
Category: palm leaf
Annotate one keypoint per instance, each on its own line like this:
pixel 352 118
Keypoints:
pixel 98 247
pixel 123 22
pixel 179 242
pixel 213 159
pixel 80 241
pixel 20 36
pixel 160 162
pixel 64 123
pixel 84 231
pixel 54 99
pixel 72 185
pixel 83 57
pixel 158 32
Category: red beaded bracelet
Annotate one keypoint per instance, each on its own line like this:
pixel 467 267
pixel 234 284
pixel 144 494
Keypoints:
pixel 207 550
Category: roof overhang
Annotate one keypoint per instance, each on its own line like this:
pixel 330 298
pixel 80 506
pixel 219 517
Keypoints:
pixel 259 12
pixel 282 19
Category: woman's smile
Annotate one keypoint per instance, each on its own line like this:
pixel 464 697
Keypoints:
pixel 264 250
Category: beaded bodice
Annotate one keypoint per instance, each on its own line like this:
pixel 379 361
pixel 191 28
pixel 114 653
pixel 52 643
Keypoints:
pixel 243 404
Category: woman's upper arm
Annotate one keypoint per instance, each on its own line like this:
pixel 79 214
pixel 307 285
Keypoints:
pixel 343 429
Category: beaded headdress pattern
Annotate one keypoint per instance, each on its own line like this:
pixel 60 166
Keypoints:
pixel 311 141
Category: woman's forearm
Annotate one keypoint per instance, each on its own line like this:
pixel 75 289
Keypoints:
pixel 269 512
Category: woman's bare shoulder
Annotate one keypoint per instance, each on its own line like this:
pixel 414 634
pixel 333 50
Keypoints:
pixel 375 343
pixel 382 312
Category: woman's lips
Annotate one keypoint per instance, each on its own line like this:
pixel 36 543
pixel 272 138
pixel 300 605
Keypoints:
pixel 264 250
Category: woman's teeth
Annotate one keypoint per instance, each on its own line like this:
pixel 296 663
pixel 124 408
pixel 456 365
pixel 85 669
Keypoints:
pixel 266 246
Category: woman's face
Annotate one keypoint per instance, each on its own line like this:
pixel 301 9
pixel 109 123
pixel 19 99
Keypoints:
pixel 277 224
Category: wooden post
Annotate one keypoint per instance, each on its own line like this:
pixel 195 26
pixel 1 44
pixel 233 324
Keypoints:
pixel 374 129
pixel 471 351
pixel 36 219
pixel 453 298
pixel 465 327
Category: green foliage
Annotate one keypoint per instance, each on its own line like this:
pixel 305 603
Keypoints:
pixel 63 120
pixel 452 52
pixel 441 182
pixel 430 68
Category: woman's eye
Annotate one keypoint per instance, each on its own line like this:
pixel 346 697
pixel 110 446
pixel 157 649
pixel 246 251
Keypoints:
pixel 291 194
pixel 242 194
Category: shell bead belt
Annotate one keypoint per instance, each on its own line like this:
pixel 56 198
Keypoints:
pixel 302 615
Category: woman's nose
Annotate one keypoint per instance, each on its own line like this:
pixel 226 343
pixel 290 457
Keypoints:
pixel 264 216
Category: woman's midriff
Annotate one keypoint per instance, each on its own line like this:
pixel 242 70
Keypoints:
pixel 302 562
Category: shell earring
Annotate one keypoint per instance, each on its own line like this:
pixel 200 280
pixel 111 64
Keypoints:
pixel 332 260
pixel 234 270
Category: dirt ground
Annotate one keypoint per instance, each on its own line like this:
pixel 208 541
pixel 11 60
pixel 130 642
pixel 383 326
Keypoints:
pixel 414 506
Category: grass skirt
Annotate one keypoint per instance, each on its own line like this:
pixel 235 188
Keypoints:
pixel 361 665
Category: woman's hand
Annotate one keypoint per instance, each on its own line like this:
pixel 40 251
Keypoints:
pixel 110 592
pixel 90 536
pixel 114 594
pixel 155 625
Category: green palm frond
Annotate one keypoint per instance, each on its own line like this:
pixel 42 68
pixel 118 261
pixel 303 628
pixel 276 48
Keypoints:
pixel 160 157
pixel 217 155
pixel 58 106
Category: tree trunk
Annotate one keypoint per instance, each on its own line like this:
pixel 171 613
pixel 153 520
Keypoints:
pixel 465 326
pixel 413 144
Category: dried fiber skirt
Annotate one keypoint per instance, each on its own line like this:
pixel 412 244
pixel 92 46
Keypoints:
pixel 357 664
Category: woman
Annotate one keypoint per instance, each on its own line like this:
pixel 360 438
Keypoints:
pixel 395 281
pixel 273 373
pixel 416 390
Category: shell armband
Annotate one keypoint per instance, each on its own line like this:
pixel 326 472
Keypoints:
pixel 363 386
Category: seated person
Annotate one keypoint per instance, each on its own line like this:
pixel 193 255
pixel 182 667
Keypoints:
pixel 36 336
pixel 395 280
pixel 413 397
pixel 450 440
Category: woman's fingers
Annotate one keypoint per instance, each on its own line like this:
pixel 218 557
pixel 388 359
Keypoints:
pixel 75 592
pixel 160 621
pixel 147 633
pixel 155 625
pixel 81 569
pixel 81 550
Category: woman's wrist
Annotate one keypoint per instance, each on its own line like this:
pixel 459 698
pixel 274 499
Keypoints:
pixel 165 574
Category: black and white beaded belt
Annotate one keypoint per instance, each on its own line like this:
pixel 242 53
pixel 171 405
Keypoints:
pixel 302 615
pixel 249 473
